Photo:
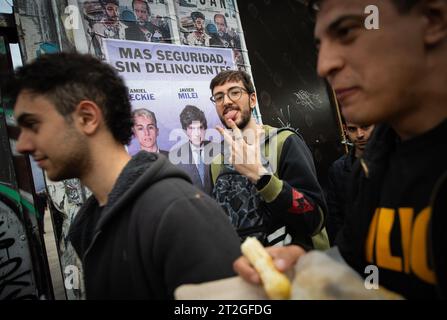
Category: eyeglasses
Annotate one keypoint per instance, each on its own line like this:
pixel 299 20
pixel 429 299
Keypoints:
pixel 234 94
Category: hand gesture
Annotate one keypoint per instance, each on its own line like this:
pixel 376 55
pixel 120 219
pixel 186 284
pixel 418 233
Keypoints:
pixel 245 151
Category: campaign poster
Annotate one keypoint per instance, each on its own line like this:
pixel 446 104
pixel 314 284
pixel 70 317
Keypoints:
pixel 167 80
pixel 210 23
pixel 139 20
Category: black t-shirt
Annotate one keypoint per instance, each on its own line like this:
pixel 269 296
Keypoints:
pixel 398 240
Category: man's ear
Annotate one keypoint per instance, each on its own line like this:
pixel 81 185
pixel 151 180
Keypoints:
pixel 435 12
pixel 88 116
pixel 253 100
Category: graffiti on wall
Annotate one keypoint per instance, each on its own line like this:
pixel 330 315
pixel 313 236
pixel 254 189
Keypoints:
pixel 16 280
pixel 22 257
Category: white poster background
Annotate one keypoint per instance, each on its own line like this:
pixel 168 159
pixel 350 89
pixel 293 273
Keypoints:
pixel 162 90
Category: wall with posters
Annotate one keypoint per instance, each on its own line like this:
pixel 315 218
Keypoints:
pixel 164 79
pixel 158 39
pixel 170 51
pixel 206 34
pixel 209 23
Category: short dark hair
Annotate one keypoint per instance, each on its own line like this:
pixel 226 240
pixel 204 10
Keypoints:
pixel 105 2
pixel 403 6
pixel 222 16
pixel 145 2
pixel 233 75
pixel 68 78
pixel 197 14
pixel 191 113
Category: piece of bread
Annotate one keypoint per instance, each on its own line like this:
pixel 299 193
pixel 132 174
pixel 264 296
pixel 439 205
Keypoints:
pixel 276 284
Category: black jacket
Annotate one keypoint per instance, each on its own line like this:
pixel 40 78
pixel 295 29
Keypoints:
pixel 156 232
pixel 338 177
pixel 287 206
pixel 183 158
pixel 394 185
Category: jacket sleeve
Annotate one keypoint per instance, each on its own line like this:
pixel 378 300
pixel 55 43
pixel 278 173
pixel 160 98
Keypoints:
pixel 351 237
pixel 194 243
pixel 334 215
pixel 295 194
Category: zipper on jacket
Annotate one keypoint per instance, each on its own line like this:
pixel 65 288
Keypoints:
pixel 364 167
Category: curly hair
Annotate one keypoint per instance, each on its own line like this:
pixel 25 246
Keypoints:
pixel 230 76
pixel 68 78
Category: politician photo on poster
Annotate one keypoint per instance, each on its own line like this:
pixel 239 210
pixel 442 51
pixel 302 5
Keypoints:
pixel 169 91
pixel 137 20
pixel 211 24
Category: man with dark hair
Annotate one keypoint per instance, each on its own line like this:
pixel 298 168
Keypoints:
pixel 228 37
pixel 268 185
pixel 145 129
pixel 110 25
pixel 143 29
pixel 137 234
pixel 195 156
pixel 339 174
pixel 393 77
pixel 198 37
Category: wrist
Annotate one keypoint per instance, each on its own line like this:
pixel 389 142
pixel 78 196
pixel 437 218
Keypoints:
pixel 263 181
pixel 256 174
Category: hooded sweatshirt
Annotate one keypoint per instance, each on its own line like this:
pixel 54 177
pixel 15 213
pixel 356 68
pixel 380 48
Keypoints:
pixel 397 216
pixel 155 233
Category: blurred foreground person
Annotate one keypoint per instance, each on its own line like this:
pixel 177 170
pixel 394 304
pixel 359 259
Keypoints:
pixel 137 235
pixel 396 76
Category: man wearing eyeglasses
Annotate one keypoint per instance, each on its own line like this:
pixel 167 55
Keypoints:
pixel 279 204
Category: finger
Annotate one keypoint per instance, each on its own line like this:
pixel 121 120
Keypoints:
pixel 232 156
pixel 227 137
pixel 285 258
pixel 236 131
pixel 238 151
pixel 243 267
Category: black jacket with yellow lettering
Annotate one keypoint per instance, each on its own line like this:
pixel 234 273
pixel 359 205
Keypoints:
pixel 397 214
pixel 155 233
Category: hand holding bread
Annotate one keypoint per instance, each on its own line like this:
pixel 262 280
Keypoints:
pixel 275 283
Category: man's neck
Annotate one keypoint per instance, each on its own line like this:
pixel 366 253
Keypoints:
pixel 419 122
pixel 195 147
pixel 106 165
pixel 111 23
pixel 358 152
pixel 429 97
